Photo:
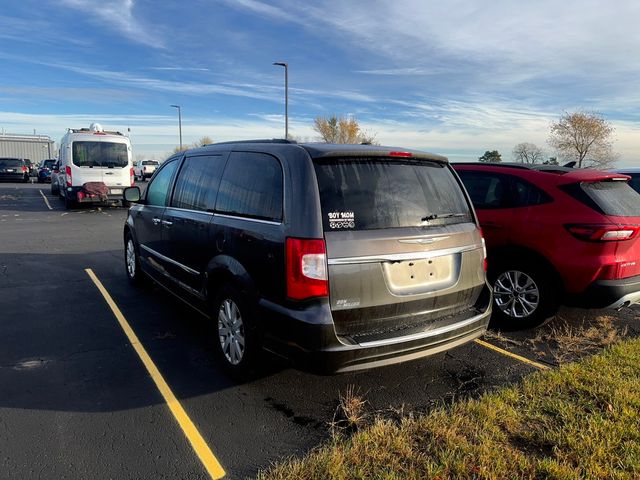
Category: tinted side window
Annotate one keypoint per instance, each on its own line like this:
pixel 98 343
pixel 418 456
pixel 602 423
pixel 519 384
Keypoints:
pixel 158 189
pixel 251 186
pixel 486 189
pixel 526 195
pixel 197 183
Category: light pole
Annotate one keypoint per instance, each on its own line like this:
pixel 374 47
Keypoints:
pixel 179 122
pixel 286 97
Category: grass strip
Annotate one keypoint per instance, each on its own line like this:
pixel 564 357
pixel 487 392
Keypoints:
pixel 580 421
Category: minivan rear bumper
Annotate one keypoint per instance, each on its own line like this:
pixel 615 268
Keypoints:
pixel 316 347
pixel 609 294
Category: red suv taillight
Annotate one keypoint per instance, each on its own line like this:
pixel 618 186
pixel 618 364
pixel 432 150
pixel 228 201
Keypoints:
pixel 306 268
pixel 67 171
pixel 132 177
pixel 602 232
pixel 24 169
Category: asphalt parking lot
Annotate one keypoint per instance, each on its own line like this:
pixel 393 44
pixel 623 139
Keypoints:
pixel 77 401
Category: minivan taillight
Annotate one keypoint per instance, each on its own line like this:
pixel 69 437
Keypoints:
pixel 132 177
pixel 67 171
pixel 306 268
pixel 603 232
pixel 24 169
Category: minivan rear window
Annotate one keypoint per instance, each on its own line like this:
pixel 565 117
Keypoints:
pixel 100 154
pixel 615 198
pixel 375 193
pixel 150 162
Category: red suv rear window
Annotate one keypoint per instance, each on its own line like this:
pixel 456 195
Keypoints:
pixel 614 198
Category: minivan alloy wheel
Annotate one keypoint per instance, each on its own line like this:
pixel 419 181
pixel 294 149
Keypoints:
pixel 231 331
pixel 516 294
pixel 131 259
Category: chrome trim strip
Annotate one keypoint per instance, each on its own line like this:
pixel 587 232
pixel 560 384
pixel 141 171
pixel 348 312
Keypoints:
pixel 190 210
pixel 257 220
pixel 429 333
pixel 402 257
pixel 422 241
pixel 167 259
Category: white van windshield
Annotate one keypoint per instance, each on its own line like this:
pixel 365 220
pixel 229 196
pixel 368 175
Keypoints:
pixel 100 154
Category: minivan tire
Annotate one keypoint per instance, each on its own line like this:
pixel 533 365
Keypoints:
pixel 237 341
pixel 517 285
pixel 55 189
pixel 132 262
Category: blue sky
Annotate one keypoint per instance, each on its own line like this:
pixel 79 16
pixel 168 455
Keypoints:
pixel 455 77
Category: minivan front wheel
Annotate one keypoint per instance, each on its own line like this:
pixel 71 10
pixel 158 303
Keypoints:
pixel 524 296
pixel 237 342
pixel 132 261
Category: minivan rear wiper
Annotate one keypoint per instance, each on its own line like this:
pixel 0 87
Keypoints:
pixel 434 216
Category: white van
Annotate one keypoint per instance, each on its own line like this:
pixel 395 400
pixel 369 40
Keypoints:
pixel 94 166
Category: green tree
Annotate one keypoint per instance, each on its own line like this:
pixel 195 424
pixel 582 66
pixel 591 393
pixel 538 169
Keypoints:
pixel 585 137
pixel 492 156
pixel 336 129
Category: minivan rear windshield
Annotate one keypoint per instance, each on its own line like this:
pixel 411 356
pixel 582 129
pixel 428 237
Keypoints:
pixel 374 193
pixel 614 198
pixel 100 154
pixel 10 163
pixel 149 162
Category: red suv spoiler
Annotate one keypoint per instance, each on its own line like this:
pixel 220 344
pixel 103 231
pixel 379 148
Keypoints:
pixel 586 175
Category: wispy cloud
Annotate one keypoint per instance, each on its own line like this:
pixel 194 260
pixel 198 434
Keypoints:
pixel 119 15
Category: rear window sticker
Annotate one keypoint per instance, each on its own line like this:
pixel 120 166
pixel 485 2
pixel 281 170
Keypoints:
pixel 339 220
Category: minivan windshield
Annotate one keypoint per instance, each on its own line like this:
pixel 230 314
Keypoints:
pixel 374 193
pixel 100 154
pixel 10 163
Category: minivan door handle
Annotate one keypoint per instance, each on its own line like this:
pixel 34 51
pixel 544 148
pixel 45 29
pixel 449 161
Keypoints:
pixel 167 223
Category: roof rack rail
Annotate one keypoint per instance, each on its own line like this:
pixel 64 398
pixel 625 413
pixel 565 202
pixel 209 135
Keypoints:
pixel 539 167
pixel 496 164
pixel 266 140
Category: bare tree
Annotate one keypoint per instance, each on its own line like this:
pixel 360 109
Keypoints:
pixel 585 137
pixel 336 129
pixel 527 153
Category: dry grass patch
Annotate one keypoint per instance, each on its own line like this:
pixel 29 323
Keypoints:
pixel 580 421
pixel 569 336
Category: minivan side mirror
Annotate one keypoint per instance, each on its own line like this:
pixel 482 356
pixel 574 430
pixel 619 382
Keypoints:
pixel 131 194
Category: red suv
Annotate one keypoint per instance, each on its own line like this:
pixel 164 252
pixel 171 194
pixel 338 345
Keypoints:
pixel 555 235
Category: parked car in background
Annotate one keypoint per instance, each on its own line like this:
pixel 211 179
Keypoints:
pixel 144 169
pixel 94 167
pixel 634 173
pixel 44 171
pixel 14 170
pixel 341 257
pixel 33 169
pixel 555 236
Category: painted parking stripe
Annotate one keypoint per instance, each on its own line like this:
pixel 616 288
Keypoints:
pixel 512 355
pixel 200 447
pixel 46 200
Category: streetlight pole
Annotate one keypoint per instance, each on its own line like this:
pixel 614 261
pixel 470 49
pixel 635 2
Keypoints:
pixel 286 97
pixel 179 122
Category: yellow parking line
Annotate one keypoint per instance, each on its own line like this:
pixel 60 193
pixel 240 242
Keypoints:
pixel 512 355
pixel 201 448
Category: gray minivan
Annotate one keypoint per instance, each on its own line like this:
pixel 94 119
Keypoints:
pixel 339 257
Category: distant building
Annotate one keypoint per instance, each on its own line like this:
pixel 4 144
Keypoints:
pixel 34 147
